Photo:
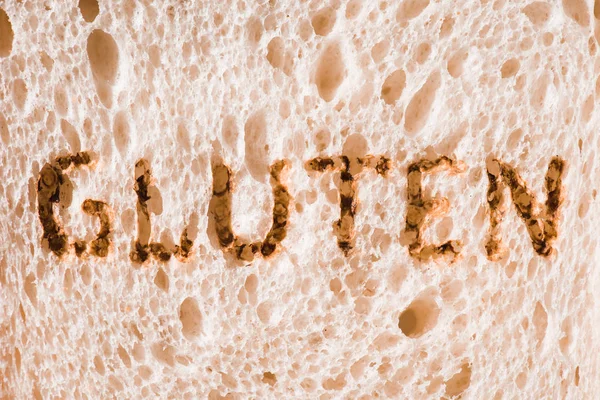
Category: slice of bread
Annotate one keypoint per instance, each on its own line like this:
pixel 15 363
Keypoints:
pixel 299 199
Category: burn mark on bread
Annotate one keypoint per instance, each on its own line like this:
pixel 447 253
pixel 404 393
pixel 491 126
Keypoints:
pixel 80 247
pixel 52 178
pixel 343 228
pixel 320 164
pixel 184 250
pixel 419 209
pixel 281 203
pixel 542 227
pixel 220 212
pixel 99 246
pixel 220 207
pixel 141 250
pixel 381 164
pixel 79 159
pixel 142 247
pixel 49 182
pixel 160 252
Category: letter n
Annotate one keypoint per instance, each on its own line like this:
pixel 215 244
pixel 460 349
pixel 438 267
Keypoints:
pixel 541 222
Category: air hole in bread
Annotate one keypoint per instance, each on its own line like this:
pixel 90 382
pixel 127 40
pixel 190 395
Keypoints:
pixel 410 9
pixel 86 274
pixel 337 383
pixel 540 322
pixel 588 108
pixel 264 311
pixel 380 50
pixel 4 132
pixel 514 139
pixel 451 290
pixel 251 283
pixel 103 55
pixel 510 68
pixel 393 86
pixel 330 72
pixel 68 282
pixel 191 318
pixel 139 354
pixel 417 112
pixel 30 288
pixel 164 353
pixel 323 21
pixel 578 11
pixel 60 100
pixel 6 34
pixel 99 365
pixel 547 38
pixel 419 317
pixel 154 55
pixel 459 382
pixel 161 279
pixel 20 92
pixel 269 378
pixel 567 336
pixel 275 52
pixel 254 30
pixel 124 356
pixel 422 52
pixel 353 8
pixel 121 132
pixel 321 138
pixel 115 383
pixel 256 146
pixel 538 12
pixel 538 93
pixel 89 9
pixel 455 63
pixel 446 27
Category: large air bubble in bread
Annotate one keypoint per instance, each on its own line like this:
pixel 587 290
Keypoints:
pixel 323 21
pixel 4 132
pixel 420 105
pixel 538 12
pixel 89 9
pixel 20 93
pixel 578 11
pixel 103 56
pixel 256 146
pixel 410 9
pixel 330 72
pixel 420 316
pixel 191 318
pixel 6 34
pixel 393 86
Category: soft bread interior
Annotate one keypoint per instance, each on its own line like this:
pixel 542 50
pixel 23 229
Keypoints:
pixel 187 86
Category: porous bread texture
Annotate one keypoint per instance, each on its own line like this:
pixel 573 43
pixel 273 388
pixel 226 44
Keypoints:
pixel 179 83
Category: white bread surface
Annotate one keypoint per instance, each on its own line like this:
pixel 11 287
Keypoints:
pixel 181 84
